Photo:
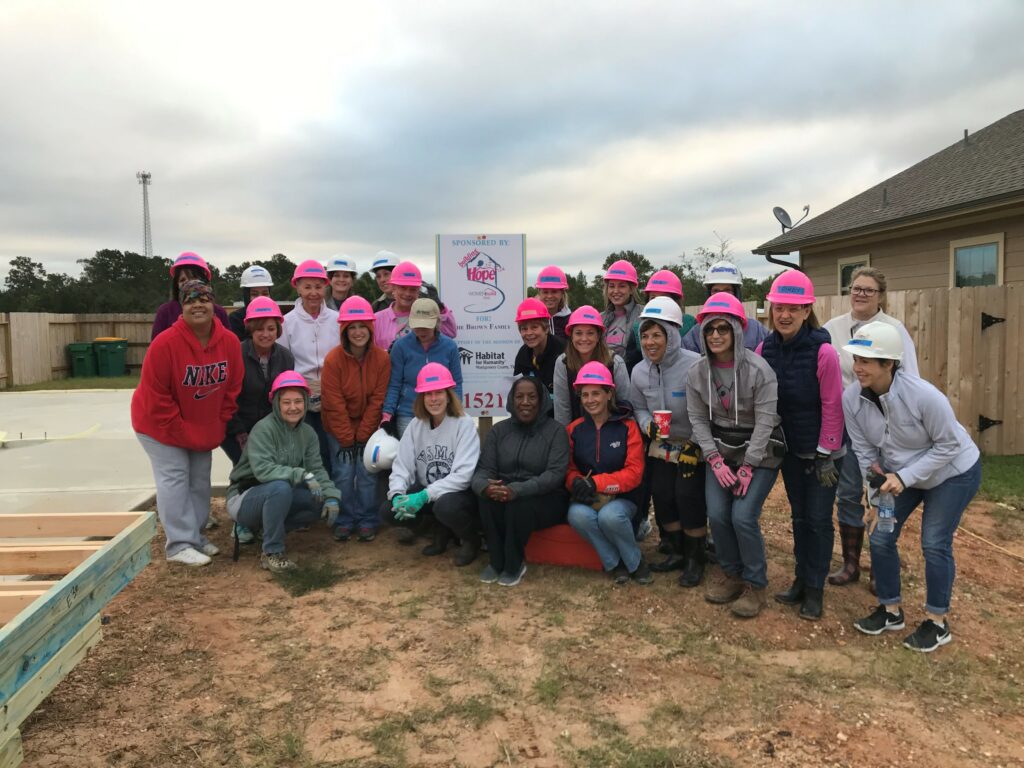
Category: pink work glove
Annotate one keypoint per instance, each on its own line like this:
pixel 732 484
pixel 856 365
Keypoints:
pixel 723 474
pixel 743 477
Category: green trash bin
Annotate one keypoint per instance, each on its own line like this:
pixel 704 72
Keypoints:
pixel 110 355
pixel 83 359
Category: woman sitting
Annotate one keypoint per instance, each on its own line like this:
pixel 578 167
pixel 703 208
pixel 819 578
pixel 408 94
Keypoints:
pixel 606 467
pixel 435 463
pixel 280 483
pixel 519 480
pixel 904 430
pixel 586 344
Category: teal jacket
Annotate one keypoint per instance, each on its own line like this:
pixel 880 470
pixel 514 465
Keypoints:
pixel 277 451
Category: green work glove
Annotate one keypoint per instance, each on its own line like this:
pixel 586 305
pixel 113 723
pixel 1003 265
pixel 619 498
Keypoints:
pixel 410 505
pixel 330 511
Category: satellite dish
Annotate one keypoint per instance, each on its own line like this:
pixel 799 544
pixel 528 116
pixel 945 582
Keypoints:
pixel 783 218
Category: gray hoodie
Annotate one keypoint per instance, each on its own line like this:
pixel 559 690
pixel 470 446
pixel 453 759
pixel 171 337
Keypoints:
pixel 532 458
pixel 662 386
pixel 754 403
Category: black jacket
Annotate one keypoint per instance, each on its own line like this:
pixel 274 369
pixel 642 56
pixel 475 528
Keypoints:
pixel 254 399
pixel 545 367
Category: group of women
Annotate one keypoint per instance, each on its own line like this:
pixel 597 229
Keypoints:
pixel 609 410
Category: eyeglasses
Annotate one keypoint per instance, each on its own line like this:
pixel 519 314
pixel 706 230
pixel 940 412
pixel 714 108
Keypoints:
pixel 858 291
pixel 721 329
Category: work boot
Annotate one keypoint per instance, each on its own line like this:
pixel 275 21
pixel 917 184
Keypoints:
pixel 723 588
pixel 750 603
pixel 439 543
pixel 793 595
pixel 468 549
pixel 675 559
pixel 405 536
pixel 852 540
pixel 812 607
pixel 693 571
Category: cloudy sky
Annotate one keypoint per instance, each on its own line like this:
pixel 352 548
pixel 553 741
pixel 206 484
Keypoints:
pixel 316 128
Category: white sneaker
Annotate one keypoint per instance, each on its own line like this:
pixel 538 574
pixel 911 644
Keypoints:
pixel 189 556
pixel 210 549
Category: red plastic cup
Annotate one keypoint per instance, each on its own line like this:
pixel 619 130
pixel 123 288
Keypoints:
pixel 664 421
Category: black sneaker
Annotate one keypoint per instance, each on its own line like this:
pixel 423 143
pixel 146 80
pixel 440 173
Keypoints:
pixel 928 636
pixel 619 574
pixel 642 574
pixel 880 621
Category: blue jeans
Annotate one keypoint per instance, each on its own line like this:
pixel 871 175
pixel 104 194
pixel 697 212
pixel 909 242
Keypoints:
pixel 850 490
pixel 736 526
pixel 609 531
pixel 277 507
pixel 811 504
pixel 402 423
pixel 358 490
pixel 316 422
pixel 944 505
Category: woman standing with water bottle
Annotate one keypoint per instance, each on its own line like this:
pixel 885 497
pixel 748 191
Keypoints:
pixel 904 431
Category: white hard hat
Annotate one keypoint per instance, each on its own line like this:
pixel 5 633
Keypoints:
pixel 341 263
pixel 385 259
pixel 663 308
pixel 876 340
pixel 256 277
pixel 724 273
pixel 380 452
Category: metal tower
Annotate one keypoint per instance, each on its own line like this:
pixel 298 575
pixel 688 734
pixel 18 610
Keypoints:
pixel 144 179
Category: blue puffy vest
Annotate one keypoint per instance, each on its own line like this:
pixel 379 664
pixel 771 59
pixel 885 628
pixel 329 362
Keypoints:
pixel 796 367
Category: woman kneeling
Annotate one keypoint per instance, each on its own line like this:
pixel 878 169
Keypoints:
pixel 280 483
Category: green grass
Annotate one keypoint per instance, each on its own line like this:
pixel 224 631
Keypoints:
pixel 93 382
pixel 311 575
pixel 620 753
pixel 1002 479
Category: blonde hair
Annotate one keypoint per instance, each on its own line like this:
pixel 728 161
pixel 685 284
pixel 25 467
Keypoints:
pixel 634 296
pixel 875 274
pixel 454 407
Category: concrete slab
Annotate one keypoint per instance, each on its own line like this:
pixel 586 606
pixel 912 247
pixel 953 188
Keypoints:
pixel 75 450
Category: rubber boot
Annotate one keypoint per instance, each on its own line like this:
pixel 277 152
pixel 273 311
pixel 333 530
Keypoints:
pixel 793 595
pixel 811 607
pixel 468 549
pixel 852 540
pixel 693 572
pixel 676 558
pixel 439 543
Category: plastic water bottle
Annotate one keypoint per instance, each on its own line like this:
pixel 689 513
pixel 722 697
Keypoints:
pixel 886 512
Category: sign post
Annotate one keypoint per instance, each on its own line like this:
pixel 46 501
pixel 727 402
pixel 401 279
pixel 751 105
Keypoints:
pixel 483 279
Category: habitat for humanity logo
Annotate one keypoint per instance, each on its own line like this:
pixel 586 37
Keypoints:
pixel 483 270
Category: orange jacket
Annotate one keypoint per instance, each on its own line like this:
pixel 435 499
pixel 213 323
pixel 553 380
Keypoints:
pixel 352 393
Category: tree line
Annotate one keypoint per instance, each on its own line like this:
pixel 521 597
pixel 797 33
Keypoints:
pixel 124 281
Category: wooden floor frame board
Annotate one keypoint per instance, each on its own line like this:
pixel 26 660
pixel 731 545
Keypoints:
pixel 65 524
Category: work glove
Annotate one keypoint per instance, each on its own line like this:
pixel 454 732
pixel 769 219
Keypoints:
pixel 826 470
pixel 406 506
pixel 347 454
pixel 584 490
pixel 652 430
pixel 329 512
pixel 429 291
pixel 725 476
pixel 743 477
pixel 314 487
pixel 689 459
pixel 389 425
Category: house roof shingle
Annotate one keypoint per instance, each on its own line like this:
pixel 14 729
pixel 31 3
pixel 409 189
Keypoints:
pixel 989 166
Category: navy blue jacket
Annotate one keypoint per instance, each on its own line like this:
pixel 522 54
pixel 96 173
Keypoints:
pixel 795 363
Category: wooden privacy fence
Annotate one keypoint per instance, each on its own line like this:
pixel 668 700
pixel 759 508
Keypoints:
pixel 968 345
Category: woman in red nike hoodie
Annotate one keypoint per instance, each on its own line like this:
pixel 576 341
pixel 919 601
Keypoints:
pixel 191 378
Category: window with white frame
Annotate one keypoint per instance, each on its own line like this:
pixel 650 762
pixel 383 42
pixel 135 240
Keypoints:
pixel 976 261
pixel 847 266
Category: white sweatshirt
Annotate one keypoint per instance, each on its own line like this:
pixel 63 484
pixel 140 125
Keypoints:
pixel 441 459
pixel 309 339
pixel 841 330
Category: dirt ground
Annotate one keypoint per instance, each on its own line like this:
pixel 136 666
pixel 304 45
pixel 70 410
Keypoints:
pixel 407 661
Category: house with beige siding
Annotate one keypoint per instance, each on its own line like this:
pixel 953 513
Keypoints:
pixel 955 219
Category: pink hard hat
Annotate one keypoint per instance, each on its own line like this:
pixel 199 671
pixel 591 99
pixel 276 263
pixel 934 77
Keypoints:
pixel 288 380
pixel 407 273
pixel 622 270
pixel 585 315
pixel 309 268
pixel 723 303
pixel 665 281
pixel 553 279
pixel 594 372
pixel 532 309
pixel 792 287
pixel 261 308
pixel 355 309
pixel 434 376
pixel 194 260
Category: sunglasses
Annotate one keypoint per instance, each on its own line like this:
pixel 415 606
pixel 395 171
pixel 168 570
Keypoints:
pixel 722 329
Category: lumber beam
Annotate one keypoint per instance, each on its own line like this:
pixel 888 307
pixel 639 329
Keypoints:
pixel 38 687
pixel 65 524
pixel 12 603
pixel 39 560
pixel 18 586
pixel 11 754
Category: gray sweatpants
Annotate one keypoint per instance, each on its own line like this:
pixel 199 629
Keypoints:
pixel 182 492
